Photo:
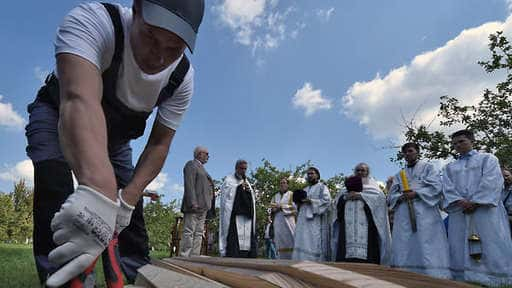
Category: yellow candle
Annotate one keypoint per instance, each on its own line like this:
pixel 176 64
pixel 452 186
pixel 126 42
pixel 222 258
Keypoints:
pixel 405 183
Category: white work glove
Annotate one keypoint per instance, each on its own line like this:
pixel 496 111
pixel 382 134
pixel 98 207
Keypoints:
pixel 124 213
pixel 82 229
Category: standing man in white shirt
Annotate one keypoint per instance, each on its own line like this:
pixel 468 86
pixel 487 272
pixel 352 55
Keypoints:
pixel 114 65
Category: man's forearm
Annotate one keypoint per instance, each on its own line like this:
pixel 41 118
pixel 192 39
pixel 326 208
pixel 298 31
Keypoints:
pixel 82 128
pixel 150 162
pixel 83 141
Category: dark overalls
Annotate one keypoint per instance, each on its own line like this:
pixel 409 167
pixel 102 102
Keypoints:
pixel 53 181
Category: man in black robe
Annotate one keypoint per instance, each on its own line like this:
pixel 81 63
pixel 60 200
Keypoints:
pixel 237 225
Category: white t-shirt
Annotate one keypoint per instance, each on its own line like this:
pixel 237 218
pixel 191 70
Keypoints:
pixel 87 31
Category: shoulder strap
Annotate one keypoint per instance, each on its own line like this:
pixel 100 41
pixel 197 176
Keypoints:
pixel 175 80
pixel 110 75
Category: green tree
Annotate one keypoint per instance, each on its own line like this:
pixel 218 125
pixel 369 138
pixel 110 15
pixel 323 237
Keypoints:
pixel 159 218
pixel 22 198
pixel 6 217
pixel 490 119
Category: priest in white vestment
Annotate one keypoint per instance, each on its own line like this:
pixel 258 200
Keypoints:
pixel 417 206
pixel 312 232
pixel 478 228
pixel 284 211
pixel 360 224
pixel 237 221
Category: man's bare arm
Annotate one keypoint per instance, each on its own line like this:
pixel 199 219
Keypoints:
pixel 82 128
pixel 150 162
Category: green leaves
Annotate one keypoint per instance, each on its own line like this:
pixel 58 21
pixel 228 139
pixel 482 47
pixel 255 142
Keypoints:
pixel 159 219
pixel 16 214
pixel 490 119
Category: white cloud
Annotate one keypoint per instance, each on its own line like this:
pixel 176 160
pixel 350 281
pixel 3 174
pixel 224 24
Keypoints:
pixel 382 104
pixel 40 73
pixel 158 183
pixel 310 100
pixel 9 117
pixel 21 170
pixel 509 5
pixel 177 188
pixel 258 24
pixel 325 14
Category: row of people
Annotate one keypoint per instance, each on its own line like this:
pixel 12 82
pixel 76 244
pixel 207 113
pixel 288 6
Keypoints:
pixel 354 226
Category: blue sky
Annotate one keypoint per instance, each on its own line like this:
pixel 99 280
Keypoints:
pixel 288 81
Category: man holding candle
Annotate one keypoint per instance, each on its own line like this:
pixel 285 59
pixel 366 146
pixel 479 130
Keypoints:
pixel 478 230
pixel 414 196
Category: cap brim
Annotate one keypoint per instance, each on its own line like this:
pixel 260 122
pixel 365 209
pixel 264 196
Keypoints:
pixel 158 16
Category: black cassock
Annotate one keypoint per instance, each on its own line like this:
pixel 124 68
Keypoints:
pixel 354 183
pixel 242 205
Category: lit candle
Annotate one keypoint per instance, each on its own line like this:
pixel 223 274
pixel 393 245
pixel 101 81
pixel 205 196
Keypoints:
pixel 405 183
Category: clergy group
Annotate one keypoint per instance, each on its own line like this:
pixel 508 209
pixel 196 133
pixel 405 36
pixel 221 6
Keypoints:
pixel 450 223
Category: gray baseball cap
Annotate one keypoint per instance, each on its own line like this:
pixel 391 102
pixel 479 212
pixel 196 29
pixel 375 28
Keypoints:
pixel 182 17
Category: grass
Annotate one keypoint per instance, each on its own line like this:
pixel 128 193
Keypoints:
pixel 17 268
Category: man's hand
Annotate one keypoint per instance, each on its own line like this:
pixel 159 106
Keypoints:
pixel 471 208
pixel 465 204
pixel 409 194
pixel 306 201
pixel 82 229
pixel 152 195
pixel 352 195
pixel 124 213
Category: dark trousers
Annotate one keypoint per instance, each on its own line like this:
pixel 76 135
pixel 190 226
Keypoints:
pixel 53 183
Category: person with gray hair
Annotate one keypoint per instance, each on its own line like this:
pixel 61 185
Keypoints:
pixel 360 228
pixel 197 200
pixel 237 221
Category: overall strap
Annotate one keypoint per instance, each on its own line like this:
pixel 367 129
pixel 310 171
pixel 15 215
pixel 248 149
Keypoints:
pixel 110 75
pixel 175 80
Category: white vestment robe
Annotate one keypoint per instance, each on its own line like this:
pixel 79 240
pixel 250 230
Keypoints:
pixel 284 224
pixel 245 226
pixel 426 251
pixel 477 178
pixel 356 223
pixel 312 232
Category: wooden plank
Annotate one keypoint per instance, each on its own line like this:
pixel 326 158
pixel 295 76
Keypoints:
pixel 400 277
pixel 278 279
pixel 230 278
pixel 178 269
pixel 151 276
pixel 284 281
pixel 315 274
pixel 344 276
pixel 405 278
